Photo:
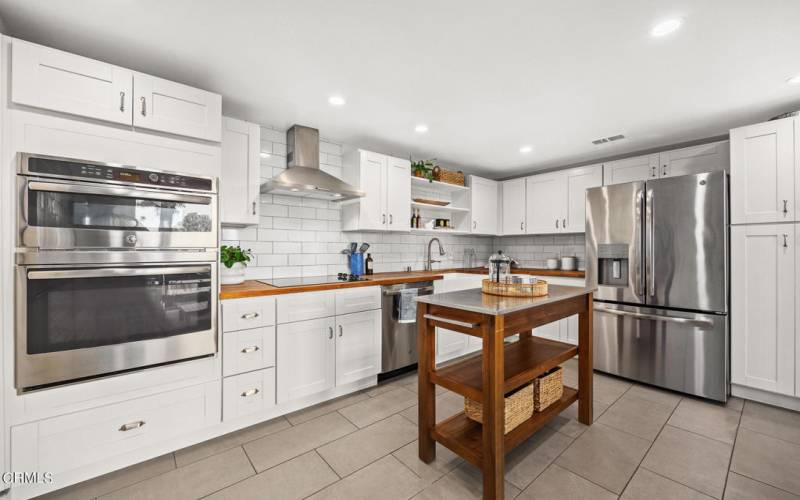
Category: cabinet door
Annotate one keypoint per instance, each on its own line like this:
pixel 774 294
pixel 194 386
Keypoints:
pixel 373 182
pixel 398 194
pixel 483 205
pixel 578 181
pixel 175 108
pixel 639 168
pixel 711 157
pixel 544 203
pixel 762 173
pixel 763 307
pixel 513 215
pixel 59 81
pixel 358 346
pixel 549 331
pixel 240 178
pixel 305 358
pixel 568 329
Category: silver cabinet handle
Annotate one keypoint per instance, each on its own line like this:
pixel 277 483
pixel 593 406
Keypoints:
pixel 390 218
pixel 144 105
pixel 638 277
pixel 785 240
pixel 653 174
pixel 330 332
pixel 341 330
pixel 474 224
pixel 131 426
pixel 785 207
pixel 563 223
pixel 250 392
pixel 122 101
pixel 250 316
pixel 521 226
pixel 556 223
pixel 663 170
pixel 383 218
pixel 254 208
pixel 249 349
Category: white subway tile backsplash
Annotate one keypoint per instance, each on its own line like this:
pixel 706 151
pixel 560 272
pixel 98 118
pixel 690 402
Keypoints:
pixel 271 260
pixel 287 223
pixel 279 149
pixel 272 135
pixel 315 270
pixel 302 236
pixel 303 212
pixel 287 247
pixel 273 235
pixel 274 210
pixel 330 148
pixel 315 225
pixel 302 259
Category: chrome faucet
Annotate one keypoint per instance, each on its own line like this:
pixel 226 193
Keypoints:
pixel 429 260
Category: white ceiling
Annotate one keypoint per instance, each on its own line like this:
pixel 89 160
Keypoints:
pixel 487 77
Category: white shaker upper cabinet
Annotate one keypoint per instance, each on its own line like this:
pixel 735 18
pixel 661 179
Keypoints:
pixel 175 108
pixel 483 205
pixel 59 81
pixel 763 173
pixel 398 194
pixel 578 180
pixel 240 179
pixel 763 307
pixel 638 168
pixel 544 199
pixel 711 157
pixel 513 216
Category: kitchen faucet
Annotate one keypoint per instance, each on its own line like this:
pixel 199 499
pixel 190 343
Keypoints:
pixel 429 260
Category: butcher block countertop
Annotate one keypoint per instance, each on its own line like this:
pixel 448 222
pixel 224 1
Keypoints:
pixel 253 288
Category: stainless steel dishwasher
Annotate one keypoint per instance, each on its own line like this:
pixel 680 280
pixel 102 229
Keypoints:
pixel 399 347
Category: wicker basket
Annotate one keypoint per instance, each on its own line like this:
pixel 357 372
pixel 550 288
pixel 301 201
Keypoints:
pixel 548 388
pixel 519 408
pixel 448 176
pixel 538 289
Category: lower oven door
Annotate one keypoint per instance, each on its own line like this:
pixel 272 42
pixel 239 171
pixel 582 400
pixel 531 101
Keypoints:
pixel 75 322
pixel 683 351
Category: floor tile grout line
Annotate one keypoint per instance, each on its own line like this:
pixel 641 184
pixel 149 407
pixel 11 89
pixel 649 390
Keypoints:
pixel 702 435
pixel 316 452
pixel 678 482
pixel 790 443
pixel 121 487
pixel 733 448
pixel 308 408
pixel 762 482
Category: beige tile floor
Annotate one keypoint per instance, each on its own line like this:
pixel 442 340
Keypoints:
pixel 645 443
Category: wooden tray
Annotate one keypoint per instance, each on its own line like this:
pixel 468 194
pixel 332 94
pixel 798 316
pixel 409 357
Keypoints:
pixel 538 289
pixel 432 202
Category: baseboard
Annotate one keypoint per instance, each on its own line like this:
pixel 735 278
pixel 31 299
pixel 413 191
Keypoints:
pixel 766 397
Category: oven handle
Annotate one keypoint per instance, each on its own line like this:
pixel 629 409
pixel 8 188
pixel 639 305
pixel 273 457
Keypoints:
pixel 113 272
pixel 116 191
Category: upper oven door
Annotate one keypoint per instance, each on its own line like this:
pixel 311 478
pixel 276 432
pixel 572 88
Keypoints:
pixel 57 214
pixel 84 321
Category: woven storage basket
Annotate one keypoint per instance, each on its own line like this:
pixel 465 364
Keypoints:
pixel 449 176
pixel 519 408
pixel 538 289
pixel 548 388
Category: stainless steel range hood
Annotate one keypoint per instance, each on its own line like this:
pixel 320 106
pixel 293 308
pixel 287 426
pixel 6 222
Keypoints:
pixel 302 176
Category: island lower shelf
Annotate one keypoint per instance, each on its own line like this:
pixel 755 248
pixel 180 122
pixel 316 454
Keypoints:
pixel 465 437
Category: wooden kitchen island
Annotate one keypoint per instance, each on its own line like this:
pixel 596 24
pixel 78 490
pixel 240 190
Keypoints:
pixel 497 370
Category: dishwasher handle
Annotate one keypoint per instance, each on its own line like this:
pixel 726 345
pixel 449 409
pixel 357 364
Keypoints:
pixel 422 291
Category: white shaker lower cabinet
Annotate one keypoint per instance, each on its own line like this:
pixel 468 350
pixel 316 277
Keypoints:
pixel 451 344
pixel 763 307
pixel 306 358
pixel 240 173
pixel 358 353
pixel 563 330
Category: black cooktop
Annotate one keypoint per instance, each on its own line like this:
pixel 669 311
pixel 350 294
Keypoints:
pixel 313 280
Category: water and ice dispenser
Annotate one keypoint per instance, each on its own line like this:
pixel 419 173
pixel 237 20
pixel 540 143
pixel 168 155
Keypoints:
pixel 612 264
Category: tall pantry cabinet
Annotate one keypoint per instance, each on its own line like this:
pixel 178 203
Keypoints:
pixel 765 299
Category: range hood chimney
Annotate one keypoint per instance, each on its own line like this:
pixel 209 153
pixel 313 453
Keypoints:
pixel 302 176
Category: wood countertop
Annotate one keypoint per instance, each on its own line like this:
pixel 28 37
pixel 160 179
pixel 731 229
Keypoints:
pixel 252 288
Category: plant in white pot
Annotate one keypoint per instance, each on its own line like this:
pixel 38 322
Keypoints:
pixel 234 260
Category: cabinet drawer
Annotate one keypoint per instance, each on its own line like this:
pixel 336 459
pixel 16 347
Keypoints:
pixel 248 393
pixel 351 300
pixel 303 306
pixel 248 350
pixel 241 314
pixel 79 439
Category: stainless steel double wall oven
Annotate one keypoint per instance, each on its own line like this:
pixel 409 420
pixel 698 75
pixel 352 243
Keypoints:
pixel 116 269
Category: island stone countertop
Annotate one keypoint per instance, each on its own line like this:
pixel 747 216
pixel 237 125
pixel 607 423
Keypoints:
pixel 475 300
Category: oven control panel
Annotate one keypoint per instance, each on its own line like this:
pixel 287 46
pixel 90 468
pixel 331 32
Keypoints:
pixel 38 165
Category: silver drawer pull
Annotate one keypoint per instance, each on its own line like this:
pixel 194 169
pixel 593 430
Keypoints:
pixel 451 321
pixel 250 392
pixel 250 316
pixel 249 349
pixel 131 426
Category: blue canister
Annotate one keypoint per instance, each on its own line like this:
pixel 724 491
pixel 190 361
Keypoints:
pixel 357 263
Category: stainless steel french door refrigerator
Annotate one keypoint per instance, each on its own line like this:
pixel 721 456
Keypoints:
pixel 658 253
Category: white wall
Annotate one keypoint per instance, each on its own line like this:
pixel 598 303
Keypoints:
pixel 303 237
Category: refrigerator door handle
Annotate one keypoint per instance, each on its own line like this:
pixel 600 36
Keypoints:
pixel 638 277
pixel 651 240
pixel 700 323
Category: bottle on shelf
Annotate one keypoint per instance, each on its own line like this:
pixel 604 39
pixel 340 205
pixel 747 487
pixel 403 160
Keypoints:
pixel 413 219
pixel 419 220
pixel 368 264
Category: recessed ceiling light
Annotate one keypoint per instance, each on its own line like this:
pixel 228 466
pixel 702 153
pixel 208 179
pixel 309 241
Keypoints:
pixel 666 27
pixel 525 149
pixel 794 80
pixel 336 100
pixel 421 128
pixel 264 154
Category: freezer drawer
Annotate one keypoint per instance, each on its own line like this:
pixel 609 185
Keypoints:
pixel 683 351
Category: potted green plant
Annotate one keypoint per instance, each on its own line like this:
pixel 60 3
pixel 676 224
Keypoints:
pixel 423 169
pixel 233 259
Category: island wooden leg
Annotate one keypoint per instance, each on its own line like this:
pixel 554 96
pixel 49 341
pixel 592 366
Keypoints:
pixel 493 410
pixel 585 363
pixel 426 351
